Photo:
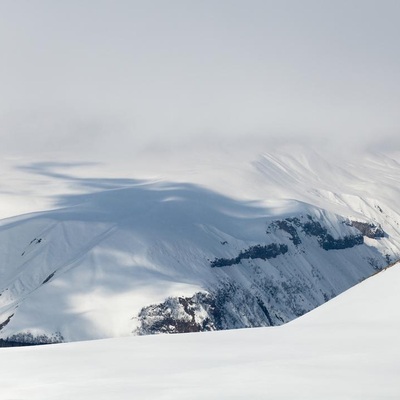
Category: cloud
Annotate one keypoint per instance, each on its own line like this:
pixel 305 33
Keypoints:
pixel 105 79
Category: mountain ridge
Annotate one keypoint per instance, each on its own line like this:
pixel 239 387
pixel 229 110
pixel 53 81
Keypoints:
pixel 111 261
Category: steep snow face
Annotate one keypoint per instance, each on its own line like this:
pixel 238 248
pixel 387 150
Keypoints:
pixel 138 257
pixel 345 349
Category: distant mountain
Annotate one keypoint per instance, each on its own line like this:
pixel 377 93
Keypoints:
pixel 140 257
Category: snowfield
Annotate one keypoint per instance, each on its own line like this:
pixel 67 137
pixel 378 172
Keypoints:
pixel 199 200
pixel 346 349
pixel 224 241
pixel 221 240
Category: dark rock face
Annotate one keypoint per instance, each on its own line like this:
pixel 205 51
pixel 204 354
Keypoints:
pixel 184 314
pixel 27 339
pixel 9 343
pixel 265 311
pixel 368 229
pixel 272 293
pixel 229 306
pixel 314 228
pixel 329 243
pixel 262 252
pixel 178 315
pixel 6 322
pixel 289 225
pixel 48 278
pixel 326 240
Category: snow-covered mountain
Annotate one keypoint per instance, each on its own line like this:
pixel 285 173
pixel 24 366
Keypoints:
pixel 223 244
pixel 346 349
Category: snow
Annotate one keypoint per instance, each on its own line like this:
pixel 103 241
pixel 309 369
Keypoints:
pixel 118 237
pixel 86 271
pixel 124 235
pixel 345 349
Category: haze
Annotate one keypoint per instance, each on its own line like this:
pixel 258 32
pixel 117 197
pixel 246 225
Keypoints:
pixel 106 78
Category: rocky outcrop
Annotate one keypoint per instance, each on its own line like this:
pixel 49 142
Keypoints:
pixel 28 339
pixel 259 251
pixel 289 225
pixel 9 343
pixel 328 242
pixel 180 314
pixel 269 290
pixel 229 306
pixel 368 229
pixel 312 227
pixel 6 322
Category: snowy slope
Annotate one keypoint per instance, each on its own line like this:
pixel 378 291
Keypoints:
pixel 345 349
pixel 254 242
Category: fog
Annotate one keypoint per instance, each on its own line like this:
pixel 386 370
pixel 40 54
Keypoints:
pixel 104 79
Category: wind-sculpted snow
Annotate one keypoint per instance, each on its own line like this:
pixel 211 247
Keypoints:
pixel 139 257
pixel 346 349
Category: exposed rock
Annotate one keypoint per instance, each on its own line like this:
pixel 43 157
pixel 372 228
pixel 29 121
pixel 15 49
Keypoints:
pixel 9 343
pixel 4 323
pixel 26 339
pixel 179 314
pixel 289 225
pixel 275 295
pixel 258 251
pixel 48 278
pixel 229 306
pixel 368 229
pixel 328 242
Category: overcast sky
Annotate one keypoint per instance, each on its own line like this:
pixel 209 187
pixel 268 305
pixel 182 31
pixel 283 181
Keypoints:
pixel 106 76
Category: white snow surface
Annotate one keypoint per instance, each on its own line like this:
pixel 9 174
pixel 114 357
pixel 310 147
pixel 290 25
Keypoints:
pixel 346 349
pixel 106 240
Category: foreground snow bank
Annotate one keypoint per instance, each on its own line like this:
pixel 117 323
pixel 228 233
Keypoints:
pixel 347 348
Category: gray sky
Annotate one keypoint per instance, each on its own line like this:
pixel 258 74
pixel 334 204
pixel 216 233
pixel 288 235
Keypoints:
pixel 107 76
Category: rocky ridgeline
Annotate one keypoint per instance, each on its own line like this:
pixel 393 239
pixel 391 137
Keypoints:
pixel 326 240
pixel 228 306
pixel 311 227
pixel 274 295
